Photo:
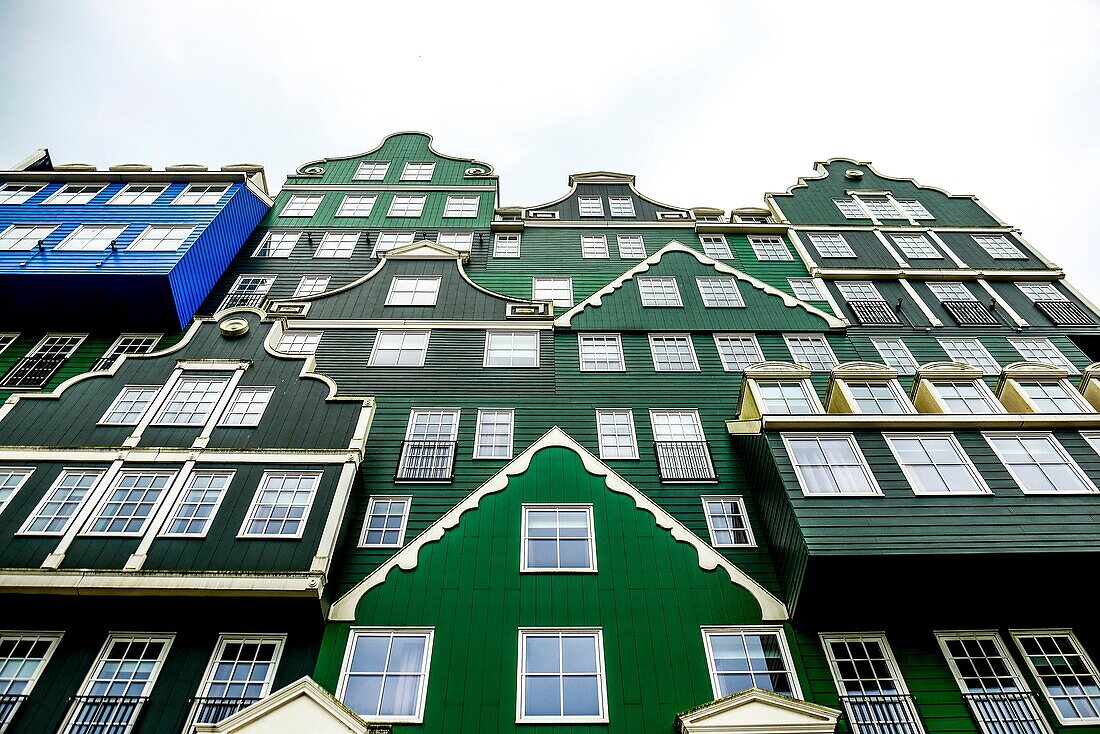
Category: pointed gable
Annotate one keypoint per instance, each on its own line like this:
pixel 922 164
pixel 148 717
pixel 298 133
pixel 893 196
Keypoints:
pixel 303 706
pixel 618 306
pixel 756 711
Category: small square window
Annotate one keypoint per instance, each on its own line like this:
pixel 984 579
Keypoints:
pixel 561 677
pixel 493 436
pixel 511 349
pixel 830 464
pixel 805 289
pixel 631 246
pixel 728 522
pixel 130 405
pixel 1039 463
pixel 590 206
pixel 302 205
pixel 769 248
pixel 13 194
pixel 371 170
pixel 277 244
pixel 385 673
pixel 23 237
pixel 936 464
pixel 406 206
pixel 738 351
pixel 418 171
pixel 192 401
pixel 462 206
pixel 74 195
pixel 202 195
pixel 92 238
pixel 916 247
pixel 594 246
pixel 387 241
pixel 715 246
pixel 281 505
pixel 615 428
pixel 831 245
pixel 196 507
pixel 659 292
pixel 355 205
pixel 299 342
pixel 749 657
pixel 311 285
pixel 138 195
pixel 337 244
pixel 410 291
pixel 246 407
pixel 601 353
pixel 399 349
pixel 673 353
pixel 384 526
pixel 161 239
pixel 621 206
pixel 558 290
pixel 720 292
pixel 558 538
pixel 506 245
pixel 812 351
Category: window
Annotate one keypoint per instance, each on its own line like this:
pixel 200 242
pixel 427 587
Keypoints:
pixel 74 194
pixel 831 245
pixel 963 306
pixel 913 209
pixel 936 464
pixel 659 292
pixel 281 505
pixel 277 244
pixel 879 398
pixel 1039 464
pixel 89 237
pixel 461 206
pixel 850 209
pixel 866 302
pixel 429 449
pixel 558 538
pixel 21 237
pixel 859 290
pixel 967 397
pixel 558 290
pixel 631 246
pixel 246 407
pixel 385 524
pixel 249 290
pixel 302 205
pixel 871 688
pixel 594 246
pixel 621 206
pixel 682 450
pixel 161 239
pixel 191 401
pixel 133 344
pixel 11 480
pixel 830 464
pixel 812 351
pixel 13 194
pixel 202 195
pixel 751 219
pixel 337 244
pixel 769 248
pixel 916 247
pixel 138 194
pixel 616 433
pixel 1053 396
pixel 749 657
pixel 998 247
pixel 804 288
pixel 882 209
pixel 738 351
pixel 720 292
pixel 23 657
pixel 406 206
pixel 196 507
pixel 561 676
pixel 788 397
pixel 385 674
pixel 1043 350
pixel 130 405
pixel 895 354
pixel 1068 676
pixel 590 206
pixel 356 205
pixel 511 349
pixel 951 292
pixel 130 503
pixel 461 241
pixel 311 285
pixel 715 246
pixel 1041 292
pixel 6 340
pixel 371 170
pixel 728 522
pixel 399 349
pixel 406 291
pixel 506 245
pixel 673 353
pixel 57 508
pixel 493 437
pixel 240 672
pixel 990 683
pixel 118 685
pixel 389 240
pixel 418 171
pixel 601 353
pixel 299 342
pixel 971 352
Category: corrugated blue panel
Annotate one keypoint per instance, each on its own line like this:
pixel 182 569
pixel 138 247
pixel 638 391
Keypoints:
pixel 205 261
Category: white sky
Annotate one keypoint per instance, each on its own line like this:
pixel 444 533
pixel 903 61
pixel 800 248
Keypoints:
pixel 707 103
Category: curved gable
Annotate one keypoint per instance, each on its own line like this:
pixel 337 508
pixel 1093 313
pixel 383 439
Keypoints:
pixel 604 185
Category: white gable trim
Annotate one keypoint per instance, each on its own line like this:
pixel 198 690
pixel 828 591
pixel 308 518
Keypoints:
pixel 772 609
pixel 321 714
pixel 756 711
pixel 596 299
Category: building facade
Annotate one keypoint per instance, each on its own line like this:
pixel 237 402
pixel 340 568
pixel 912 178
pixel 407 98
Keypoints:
pixel 426 462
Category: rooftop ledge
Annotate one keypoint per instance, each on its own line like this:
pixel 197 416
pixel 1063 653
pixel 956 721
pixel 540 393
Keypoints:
pixel 92 582
pixel 914 421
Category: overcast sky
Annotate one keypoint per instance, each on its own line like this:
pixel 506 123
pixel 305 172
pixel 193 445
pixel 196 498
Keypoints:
pixel 707 103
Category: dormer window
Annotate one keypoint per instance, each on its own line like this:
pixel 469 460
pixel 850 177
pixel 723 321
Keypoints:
pixel 590 206
pixel 787 397
pixel 1053 396
pixel 867 388
pixel 621 206
pixel 968 397
pixel 879 398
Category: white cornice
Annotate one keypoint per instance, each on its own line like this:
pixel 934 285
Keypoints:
pixel 179 455
pixel 410 186
pixel 84 582
pixel 917 421
pixel 338 324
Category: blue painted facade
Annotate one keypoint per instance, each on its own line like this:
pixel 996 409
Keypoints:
pixel 49 287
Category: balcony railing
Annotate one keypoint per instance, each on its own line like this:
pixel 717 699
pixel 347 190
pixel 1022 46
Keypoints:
pixel 103 714
pixel 873 312
pixel 894 713
pixel 213 710
pixel 684 460
pixel 239 300
pixel 970 313
pixel 32 371
pixel 9 706
pixel 1010 712
pixel 426 461
pixel 1065 313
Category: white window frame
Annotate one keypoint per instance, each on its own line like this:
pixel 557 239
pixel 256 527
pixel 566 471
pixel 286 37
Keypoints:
pixel 238 394
pixel 414 171
pixel 277 252
pixel 851 209
pixel 350 208
pixel 311 285
pixel 32 636
pixel 222 376
pixel 874 491
pixel 913 209
pixel 180 501
pixel 992 367
pixel 1061 361
pixel 407 206
pixel 594 247
pixel 116 349
pixel 916 246
pixel 718 337
pixel 506 239
pixel 490 333
pixel 459 241
pixel 261 488
pixel 137 246
pixel 625 205
pixel 831 244
pixel 207 680
pixel 106 499
pixel 600 437
pixel 885 705
pixel 1052 440
pixel 390 295
pixel 63 245
pixel 914 480
pixel 784 652
pixel 910 368
pixel 401 239
pixel 479 446
pixel 715 246
pixel 790 338
pixel 632 240
pixel 616 338
pixel 652 282
pixel 766 249
pixel 601 674
pixel 25 528
pixel 23 195
pixel 61 191
pixel 998 247
pixel 333 245
pixel 457 206
pixel 677 337
pixel 804 384
pixel 104 420
pixel 593 210
pixel 535 289
pixel 293 335
pixel 24 472
pixel 1045 291
pixel 372 501
pixel 373 359
pixel 895 389
pixel 90 678
pixel 802 287
pixel 1018 635
pixel 428 633
pixel 736 302
pixel 986 394
pixel 568 507
pixel 734 499
pixel 302 202
pixel 200 199
pixel 31 228
pixel 1067 389
pixel 374 167
pixel 126 191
